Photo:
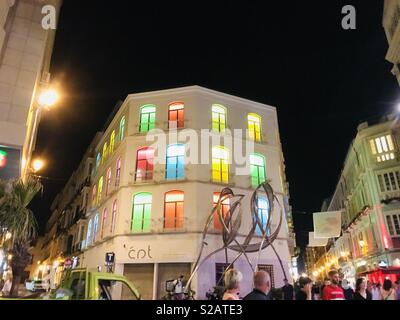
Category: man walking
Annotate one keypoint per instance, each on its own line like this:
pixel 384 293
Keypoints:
pixel 262 286
pixel 333 291
pixel 287 290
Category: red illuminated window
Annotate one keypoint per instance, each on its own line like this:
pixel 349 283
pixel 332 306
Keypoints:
pixel 144 164
pixel 225 208
pixel 173 210
pixel 176 115
pixel 94 195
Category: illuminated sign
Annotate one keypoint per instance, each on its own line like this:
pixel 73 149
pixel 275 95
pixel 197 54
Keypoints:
pixel 3 158
pixel 10 163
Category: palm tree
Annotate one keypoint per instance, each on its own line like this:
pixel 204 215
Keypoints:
pixel 19 221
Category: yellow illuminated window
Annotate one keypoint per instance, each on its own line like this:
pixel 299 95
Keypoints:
pixel 383 148
pixel 254 126
pixel 220 165
pixel 99 190
pixel 105 149
pixel 112 142
pixel 218 118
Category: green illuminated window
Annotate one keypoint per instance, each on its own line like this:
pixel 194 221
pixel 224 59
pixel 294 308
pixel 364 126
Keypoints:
pixel 147 118
pixel 122 129
pixel 220 165
pixel 218 118
pixel 257 170
pixel 141 212
pixel 254 126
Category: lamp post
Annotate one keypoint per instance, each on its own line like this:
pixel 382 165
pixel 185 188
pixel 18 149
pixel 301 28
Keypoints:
pixel 46 99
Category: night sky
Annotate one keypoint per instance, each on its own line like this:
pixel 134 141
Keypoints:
pixel 295 55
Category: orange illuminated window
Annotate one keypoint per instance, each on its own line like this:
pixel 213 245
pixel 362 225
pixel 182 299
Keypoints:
pixel 175 115
pixel 173 210
pixel 225 208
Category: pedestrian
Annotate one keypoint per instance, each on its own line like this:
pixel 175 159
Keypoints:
pixel 232 279
pixel 262 287
pixel 376 291
pixel 361 290
pixel 397 288
pixel 333 291
pixel 305 289
pixel 388 292
pixel 347 290
pixel 287 290
pixel 179 289
pixel 327 282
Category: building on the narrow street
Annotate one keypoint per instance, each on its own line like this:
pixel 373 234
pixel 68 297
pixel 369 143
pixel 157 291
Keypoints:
pixel 368 193
pixel 151 214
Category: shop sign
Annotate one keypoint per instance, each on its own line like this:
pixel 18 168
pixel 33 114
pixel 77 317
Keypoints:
pixel 140 254
pixel 110 257
pixel 10 160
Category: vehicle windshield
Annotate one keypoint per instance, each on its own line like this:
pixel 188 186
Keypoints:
pixel 115 290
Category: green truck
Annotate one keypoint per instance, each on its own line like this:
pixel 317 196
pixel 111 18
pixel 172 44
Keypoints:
pixel 82 284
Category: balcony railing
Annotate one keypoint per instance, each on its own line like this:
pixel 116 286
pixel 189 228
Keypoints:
pixel 174 224
pixel 144 176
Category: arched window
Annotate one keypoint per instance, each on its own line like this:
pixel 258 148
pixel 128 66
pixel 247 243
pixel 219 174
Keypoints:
pixel 112 142
pixel 175 168
pixel 108 181
pixel 254 126
pixel 220 165
pixel 176 115
pixel 147 118
pixel 144 164
pixel 263 206
pixel 173 210
pixel 257 170
pixel 94 194
pixel 225 208
pixel 113 216
pixel 122 129
pixel 118 172
pixel 89 233
pixel 218 118
pixel 105 151
pixel 98 159
pixel 99 190
pixel 103 222
pixel 141 212
pixel 95 226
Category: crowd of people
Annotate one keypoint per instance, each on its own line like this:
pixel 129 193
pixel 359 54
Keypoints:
pixel 333 288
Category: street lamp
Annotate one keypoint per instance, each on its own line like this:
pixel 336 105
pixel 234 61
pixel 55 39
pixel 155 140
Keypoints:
pixel 37 165
pixel 48 98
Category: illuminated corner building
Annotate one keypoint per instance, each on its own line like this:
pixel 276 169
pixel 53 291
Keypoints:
pixel 368 193
pixel 65 230
pixel 391 16
pixel 25 56
pixel 152 214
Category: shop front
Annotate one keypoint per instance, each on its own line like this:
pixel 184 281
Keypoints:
pixel 379 275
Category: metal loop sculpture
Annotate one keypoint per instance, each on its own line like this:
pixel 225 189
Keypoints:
pixel 231 223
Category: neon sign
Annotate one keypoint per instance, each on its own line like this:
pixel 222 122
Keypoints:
pixel 3 159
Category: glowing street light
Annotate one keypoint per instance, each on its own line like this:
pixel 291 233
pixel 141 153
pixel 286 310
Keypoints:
pixel 48 98
pixel 315 273
pixel 37 165
pixel 361 243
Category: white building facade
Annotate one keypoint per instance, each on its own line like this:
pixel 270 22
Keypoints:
pixel 151 214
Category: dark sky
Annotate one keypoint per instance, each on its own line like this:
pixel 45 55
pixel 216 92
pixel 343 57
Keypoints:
pixel 294 55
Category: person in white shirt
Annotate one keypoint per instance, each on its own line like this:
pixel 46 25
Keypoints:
pixel 376 292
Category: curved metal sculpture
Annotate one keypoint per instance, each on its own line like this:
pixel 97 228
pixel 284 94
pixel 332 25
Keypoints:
pixel 231 222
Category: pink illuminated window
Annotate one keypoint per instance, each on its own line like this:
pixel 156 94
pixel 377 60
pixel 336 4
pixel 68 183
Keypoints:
pixel 103 222
pixel 114 215
pixel 108 181
pixel 118 173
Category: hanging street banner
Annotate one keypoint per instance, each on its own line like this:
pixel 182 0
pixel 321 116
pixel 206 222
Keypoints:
pixel 327 224
pixel 313 242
